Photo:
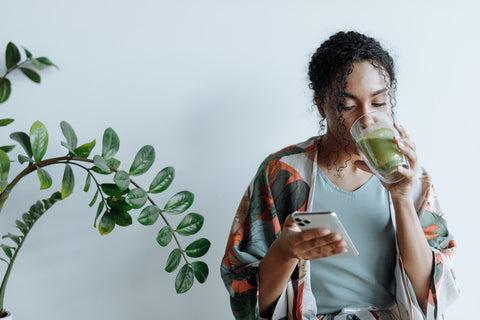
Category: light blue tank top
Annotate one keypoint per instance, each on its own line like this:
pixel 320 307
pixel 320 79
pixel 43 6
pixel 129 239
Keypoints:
pixel 367 280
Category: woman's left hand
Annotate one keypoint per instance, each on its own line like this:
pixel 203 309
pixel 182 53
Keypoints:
pixel 401 190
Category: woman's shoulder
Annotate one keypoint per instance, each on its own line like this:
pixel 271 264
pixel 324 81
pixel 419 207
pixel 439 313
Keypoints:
pixel 296 160
pixel 304 148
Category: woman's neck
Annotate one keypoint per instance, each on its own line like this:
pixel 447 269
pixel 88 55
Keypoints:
pixel 337 162
pixel 336 153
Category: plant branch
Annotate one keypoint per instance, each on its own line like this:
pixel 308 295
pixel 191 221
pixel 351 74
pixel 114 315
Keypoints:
pixel 165 220
pixel 16 66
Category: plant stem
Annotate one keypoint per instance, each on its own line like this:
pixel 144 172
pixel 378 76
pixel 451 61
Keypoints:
pixel 10 264
pixel 32 167
pixel 68 159
pixel 165 220
pixel 13 68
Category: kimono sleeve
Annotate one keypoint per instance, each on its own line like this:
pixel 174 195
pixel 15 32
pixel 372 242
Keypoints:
pixel 443 286
pixel 250 237
pixel 276 191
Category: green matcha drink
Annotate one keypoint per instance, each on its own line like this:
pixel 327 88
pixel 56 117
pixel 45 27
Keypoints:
pixel 381 150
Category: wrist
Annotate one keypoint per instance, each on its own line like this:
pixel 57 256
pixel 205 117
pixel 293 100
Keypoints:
pixel 280 250
pixel 402 201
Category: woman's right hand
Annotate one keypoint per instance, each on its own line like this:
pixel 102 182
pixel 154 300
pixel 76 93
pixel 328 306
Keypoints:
pixel 308 244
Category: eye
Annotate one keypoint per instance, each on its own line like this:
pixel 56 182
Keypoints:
pixel 346 108
pixel 378 104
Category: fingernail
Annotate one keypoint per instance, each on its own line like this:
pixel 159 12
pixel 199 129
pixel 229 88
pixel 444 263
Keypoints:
pixel 323 232
pixel 336 237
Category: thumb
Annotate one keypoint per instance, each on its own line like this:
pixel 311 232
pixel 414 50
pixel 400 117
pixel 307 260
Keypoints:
pixel 289 221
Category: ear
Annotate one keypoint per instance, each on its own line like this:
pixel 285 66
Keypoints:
pixel 320 105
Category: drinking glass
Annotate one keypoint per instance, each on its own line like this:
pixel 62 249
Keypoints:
pixel 373 132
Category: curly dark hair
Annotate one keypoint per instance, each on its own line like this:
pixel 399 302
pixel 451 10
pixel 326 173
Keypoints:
pixel 333 62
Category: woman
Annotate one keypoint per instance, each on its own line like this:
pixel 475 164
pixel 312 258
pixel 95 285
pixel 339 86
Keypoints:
pixel 273 270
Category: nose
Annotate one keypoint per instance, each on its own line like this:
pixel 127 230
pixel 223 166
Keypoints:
pixel 365 108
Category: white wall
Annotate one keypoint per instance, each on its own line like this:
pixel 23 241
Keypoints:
pixel 214 86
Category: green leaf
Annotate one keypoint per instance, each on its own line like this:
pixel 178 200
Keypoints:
pixel 37 207
pixel 94 199
pixel 191 224
pixel 70 150
pixel 45 179
pixel 162 180
pixel 13 237
pixel 84 150
pixel 111 143
pixel 31 74
pixel 112 189
pixel 22 159
pixel 24 140
pixel 38 140
pixel 5 122
pixel 5 90
pixel 136 198
pixel 68 181
pixel 51 201
pixel 35 215
pixel 184 279
pixel 28 219
pixel 149 215
pixel 100 163
pixel 100 207
pixel 12 55
pixel 122 180
pixel 143 160
pixel 27 53
pixel 7 148
pixel 88 181
pixel 112 163
pixel 122 218
pixel 37 64
pixel 21 226
pixel 179 203
pixel 173 260
pixel 200 270
pixel 164 236
pixel 46 61
pixel 4 166
pixel 198 248
pixel 118 203
pixel 3 185
pixel 107 223
pixel 69 134
pixel 7 250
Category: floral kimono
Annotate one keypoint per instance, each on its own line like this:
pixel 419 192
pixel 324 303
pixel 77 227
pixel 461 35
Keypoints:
pixel 283 184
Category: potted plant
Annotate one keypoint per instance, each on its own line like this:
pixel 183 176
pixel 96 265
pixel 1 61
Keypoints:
pixel 115 200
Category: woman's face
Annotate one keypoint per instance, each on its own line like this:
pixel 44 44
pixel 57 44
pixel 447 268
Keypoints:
pixel 368 89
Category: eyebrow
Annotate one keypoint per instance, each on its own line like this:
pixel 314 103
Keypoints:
pixel 349 95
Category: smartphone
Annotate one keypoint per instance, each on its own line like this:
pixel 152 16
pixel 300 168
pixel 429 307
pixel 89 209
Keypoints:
pixel 328 220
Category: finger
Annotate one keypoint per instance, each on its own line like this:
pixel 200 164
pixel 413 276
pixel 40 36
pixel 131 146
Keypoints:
pixel 318 243
pixel 407 173
pixel 289 221
pixel 314 234
pixel 408 142
pixel 401 130
pixel 408 152
pixel 326 251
